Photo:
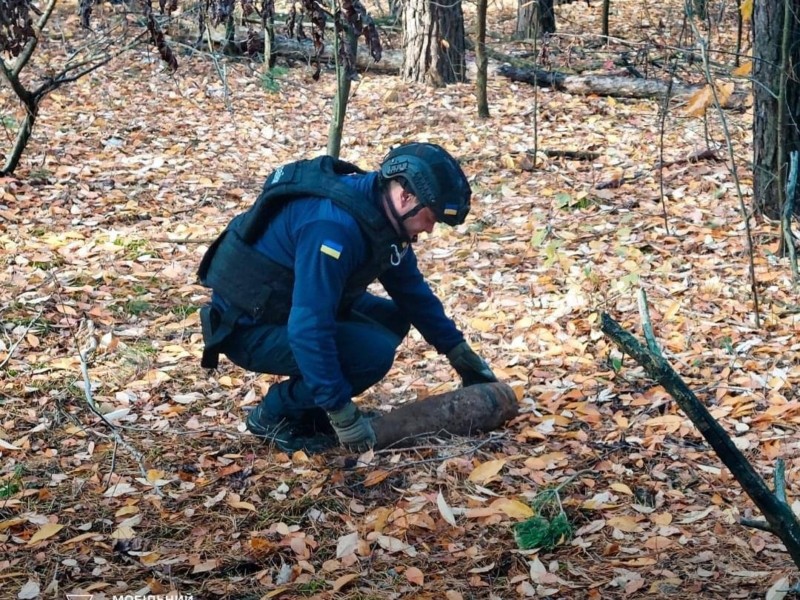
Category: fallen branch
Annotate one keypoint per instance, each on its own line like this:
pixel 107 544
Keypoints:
pixel 571 154
pixel 779 516
pixel 607 85
pixel 692 158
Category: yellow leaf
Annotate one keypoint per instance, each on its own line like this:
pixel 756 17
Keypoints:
pixel 129 509
pixel 375 477
pixel 508 161
pixel 700 101
pixel 156 376
pixel 47 530
pixel 514 508
pixel 621 488
pixel 149 559
pixel 485 471
pixel 480 325
pixel 743 70
pixel 665 420
pixel 747 10
pixel 415 576
pixel 11 523
pixel 241 504
pixel 672 310
pixel 624 523
pixel 154 475
pixel 662 519
pixel 343 581
pixel 123 533
pixel 274 593
pixel 724 91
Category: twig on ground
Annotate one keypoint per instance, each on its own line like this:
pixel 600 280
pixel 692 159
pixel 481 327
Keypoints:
pixel 21 337
pixel 83 356
pixel 706 154
pixel 187 240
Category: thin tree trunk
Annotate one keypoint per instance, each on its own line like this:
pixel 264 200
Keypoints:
pixel 342 96
pixel 268 27
pixel 23 135
pixel 606 11
pixel 482 60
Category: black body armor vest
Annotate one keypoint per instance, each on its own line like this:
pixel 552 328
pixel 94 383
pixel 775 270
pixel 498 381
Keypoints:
pixel 254 285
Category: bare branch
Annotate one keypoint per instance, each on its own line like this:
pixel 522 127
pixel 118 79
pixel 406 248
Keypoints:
pixel 27 51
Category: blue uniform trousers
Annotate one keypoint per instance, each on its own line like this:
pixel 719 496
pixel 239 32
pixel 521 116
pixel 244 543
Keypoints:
pixel 366 341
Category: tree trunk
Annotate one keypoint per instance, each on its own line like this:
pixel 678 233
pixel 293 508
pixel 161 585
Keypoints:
pixel 342 93
pixel 434 41
pixel 771 139
pixel 482 60
pixel 604 18
pixel 534 18
pixel 23 135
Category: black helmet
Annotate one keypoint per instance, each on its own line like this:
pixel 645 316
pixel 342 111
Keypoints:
pixel 434 176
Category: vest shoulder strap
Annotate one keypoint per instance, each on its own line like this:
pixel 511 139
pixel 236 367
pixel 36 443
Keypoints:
pixel 318 177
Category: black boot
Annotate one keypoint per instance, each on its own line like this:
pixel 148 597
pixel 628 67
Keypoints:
pixel 291 435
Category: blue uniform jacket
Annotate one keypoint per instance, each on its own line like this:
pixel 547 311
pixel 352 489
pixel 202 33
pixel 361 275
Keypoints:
pixel 324 246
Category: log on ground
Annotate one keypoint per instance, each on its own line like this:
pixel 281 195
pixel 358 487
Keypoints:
pixel 465 411
pixel 609 85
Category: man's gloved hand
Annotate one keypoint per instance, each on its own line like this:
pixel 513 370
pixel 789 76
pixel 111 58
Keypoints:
pixel 352 428
pixel 472 368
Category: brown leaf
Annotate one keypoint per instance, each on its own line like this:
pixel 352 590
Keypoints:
pixel 415 576
pixel 343 581
pixel 375 477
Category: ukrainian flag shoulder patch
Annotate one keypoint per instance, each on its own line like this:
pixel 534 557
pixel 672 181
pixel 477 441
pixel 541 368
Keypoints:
pixel 331 248
pixel 451 209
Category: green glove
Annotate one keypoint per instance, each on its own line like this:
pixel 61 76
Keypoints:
pixel 471 367
pixel 352 428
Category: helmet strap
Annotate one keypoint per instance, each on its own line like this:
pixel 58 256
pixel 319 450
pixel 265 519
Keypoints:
pixel 401 219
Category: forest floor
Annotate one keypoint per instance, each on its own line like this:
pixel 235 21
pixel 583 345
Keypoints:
pixel 132 171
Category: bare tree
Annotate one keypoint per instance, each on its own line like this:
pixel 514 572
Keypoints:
pixel 20 35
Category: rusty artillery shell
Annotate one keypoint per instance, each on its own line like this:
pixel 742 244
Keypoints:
pixel 465 411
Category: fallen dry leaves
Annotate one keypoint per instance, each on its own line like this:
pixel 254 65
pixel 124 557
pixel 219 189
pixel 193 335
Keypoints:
pixel 118 197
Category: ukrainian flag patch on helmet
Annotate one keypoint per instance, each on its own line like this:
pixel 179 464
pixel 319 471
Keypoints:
pixel 331 248
pixel 451 209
